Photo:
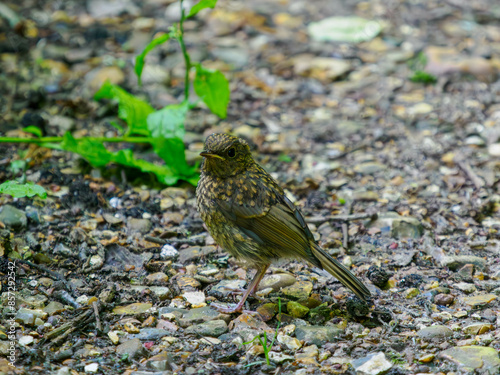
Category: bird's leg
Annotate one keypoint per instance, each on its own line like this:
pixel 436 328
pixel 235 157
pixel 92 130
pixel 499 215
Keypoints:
pixel 251 289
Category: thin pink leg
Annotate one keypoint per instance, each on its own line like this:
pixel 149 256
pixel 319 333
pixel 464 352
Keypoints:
pixel 251 289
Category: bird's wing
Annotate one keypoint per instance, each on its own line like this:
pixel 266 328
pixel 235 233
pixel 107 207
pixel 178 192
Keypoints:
pixel 274 222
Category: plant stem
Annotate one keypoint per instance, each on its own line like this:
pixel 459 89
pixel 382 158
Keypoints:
pixel 187 60
pixel 60 139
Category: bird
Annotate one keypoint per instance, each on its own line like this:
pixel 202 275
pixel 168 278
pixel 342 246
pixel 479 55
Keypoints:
pixel 248 215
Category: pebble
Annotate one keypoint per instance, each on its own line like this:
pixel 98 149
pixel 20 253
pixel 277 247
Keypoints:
pixel 267 311
pixel 168 252
pixel 317 335
pixel 443 299
pixel 26 340
pixel 291 343
pixel 398 226
pixel 132 309
pixel 195 316
pixel 369 167
pixel 161 362
pixel 113 336
pixel 157 278
pixel 299 290
pixel 455 262
pixel 372 364
pixel 213 328
pixel 142 226
pixel 279 358
pixel 132 348
pixel 477 329
pixel 277 281
pixel 151 334
pixel 435 332
pixel 479 300
pixel 13 217
pixel 196 299
pixel 296 310
pixel 470 358
pixel 465 287
pixel 225 287
pixel 91 368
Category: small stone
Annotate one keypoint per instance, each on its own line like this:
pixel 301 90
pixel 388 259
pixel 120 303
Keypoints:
pixel 212 328
pixel 96 262
pixel 91 368
pixel 131 328
pixel 465 287
pixel 195 252
pixel 378 276
pixel 195 316
pixel 299 290
pixel 151 334
pixel 455 262
pixel 161 362
pixel 483 359
pixel 13 217
pixel 477 329
pixel 132 309
pixel 369 167
pixel 188 282
pixel 443 299
pixel 426 358
pixel 113 336
pixel 372 364
pixel 279 358
pixel 308 355
pixel 277 281
pixel 296 310
pixel 317 335
pixel 267 311
pixel 397 226
pixel 26 340
pixel 479 300
pixel 157 278
pixel 411 293
pixel 138 225
pixel 291 343
pixel 225 287
pixel 132 348
pixel 168 252
pixel 196 299
pixel 435 332
pixel 494 149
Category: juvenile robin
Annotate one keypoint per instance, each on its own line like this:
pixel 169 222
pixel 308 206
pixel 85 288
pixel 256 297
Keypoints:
pixel 249 215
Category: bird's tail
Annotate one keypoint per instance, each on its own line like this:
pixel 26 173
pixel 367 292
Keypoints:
pixel 341 273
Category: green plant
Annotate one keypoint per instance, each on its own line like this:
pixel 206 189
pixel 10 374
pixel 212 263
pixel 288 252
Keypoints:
pixel 417 65
pixel 163 129
pixel 423 77
pixel 263 341
pixel 19 190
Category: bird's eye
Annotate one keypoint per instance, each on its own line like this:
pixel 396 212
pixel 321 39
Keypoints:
pixel 231 152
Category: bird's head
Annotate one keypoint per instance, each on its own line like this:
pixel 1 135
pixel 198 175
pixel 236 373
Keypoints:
pixel 225 155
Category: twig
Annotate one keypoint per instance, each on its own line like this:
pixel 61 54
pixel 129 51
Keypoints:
pixel 39 267
pixel 466 168
pixel 342 218
pixel 187 60
pixel 98 325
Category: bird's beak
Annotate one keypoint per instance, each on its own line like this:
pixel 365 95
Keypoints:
pixel 208 154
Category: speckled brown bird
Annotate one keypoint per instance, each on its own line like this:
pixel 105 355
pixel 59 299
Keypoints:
pixel 249 215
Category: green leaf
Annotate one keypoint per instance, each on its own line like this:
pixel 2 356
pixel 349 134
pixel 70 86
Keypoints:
pixel 18 190
pixel 201 5
pixel 97 155
pixel 423 77
pixel 169 121
pixel 17 166
pixel 167 129
pixel 132 110
pixel 139 60
pixel 33 130
pixel 213 88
